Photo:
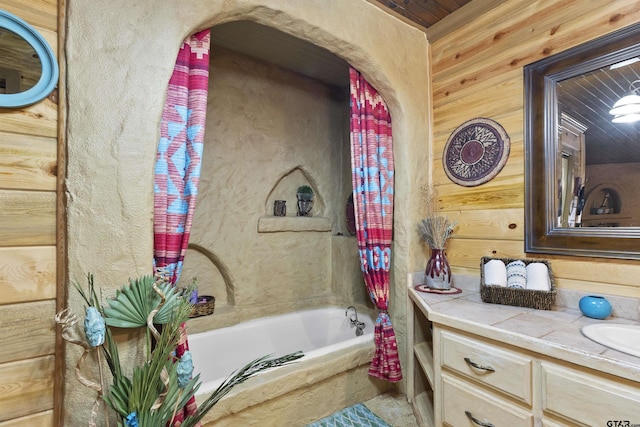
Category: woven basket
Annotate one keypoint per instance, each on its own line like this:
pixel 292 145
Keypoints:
pixel 541 300
pixel 204 307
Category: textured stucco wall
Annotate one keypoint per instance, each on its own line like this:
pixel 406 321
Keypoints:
pixel 120 55
pixel 269 130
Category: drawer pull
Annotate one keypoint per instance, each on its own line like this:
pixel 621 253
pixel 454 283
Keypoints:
pixel 477 421
pixel 475 365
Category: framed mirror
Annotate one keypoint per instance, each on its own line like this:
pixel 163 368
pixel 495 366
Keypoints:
pixel 581 169
pixel 28 67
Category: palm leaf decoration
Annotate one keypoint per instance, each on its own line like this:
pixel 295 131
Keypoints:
pixel 238 377
pixel 134 302
pixel 146 392
pixel 152 393
pixel 171 304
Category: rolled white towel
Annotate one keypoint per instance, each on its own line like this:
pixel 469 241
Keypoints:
pixel 516 274
pixel 538 277
pixel 495 273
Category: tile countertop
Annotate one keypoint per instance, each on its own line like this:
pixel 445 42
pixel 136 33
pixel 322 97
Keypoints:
pixel 555 333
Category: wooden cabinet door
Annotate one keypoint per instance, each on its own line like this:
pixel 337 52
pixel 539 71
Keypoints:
pixel 466 405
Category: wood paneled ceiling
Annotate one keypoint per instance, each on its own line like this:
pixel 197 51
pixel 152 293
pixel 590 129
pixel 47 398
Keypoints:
pixel 436 17
pixel 424 13
pixel 588 99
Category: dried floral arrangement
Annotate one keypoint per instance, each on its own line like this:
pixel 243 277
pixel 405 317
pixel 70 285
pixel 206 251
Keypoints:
pixel 434 229
pixel 151 395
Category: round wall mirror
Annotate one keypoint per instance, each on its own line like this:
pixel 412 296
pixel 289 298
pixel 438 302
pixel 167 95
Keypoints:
pixel 28 67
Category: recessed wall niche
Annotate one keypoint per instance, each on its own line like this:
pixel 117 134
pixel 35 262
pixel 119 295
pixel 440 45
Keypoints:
pixel 285 189
pixel 211 274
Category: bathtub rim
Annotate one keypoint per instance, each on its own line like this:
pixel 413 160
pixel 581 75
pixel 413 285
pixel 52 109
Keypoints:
pixel 206 388
pixel 287 379
pixel 228 316
pixel 371 313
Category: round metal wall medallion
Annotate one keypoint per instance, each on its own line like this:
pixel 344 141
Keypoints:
pixel 475 152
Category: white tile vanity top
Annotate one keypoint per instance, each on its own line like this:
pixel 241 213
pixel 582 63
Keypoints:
pixel 555 333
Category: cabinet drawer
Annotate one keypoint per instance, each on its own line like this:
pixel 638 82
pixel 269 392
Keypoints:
pixel 461 398
pixel 503 369
pixel 587 399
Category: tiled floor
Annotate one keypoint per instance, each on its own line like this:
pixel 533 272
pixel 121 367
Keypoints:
pixel 394 409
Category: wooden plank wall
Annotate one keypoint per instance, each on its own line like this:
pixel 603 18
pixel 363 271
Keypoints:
pixel 28 195
pixel 478 72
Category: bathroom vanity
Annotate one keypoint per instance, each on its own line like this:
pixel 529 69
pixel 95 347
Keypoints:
pixel 483 364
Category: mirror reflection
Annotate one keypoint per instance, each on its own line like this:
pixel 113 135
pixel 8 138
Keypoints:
pixel 598 165
pixel 20 65
pixel 598 161
pixel 582 149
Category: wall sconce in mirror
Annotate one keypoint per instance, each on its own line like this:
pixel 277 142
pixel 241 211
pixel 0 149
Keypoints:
pixel 28 67
pixel 581 170
pixel 627 108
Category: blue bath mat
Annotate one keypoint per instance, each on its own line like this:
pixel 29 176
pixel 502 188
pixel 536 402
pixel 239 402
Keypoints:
pixel 357 415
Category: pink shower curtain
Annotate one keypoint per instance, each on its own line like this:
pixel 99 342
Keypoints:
pixel 372 175
pixel 178 165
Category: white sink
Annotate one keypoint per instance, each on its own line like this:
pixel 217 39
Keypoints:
pixel 624 338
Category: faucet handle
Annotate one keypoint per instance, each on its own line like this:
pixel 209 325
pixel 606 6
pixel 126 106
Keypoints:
pixel 353 319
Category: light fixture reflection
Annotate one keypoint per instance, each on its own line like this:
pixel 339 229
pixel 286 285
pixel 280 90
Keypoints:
pixel 627 118
pixel 624 63
pixel 627 108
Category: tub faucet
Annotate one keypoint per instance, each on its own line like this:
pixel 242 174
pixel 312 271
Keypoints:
pixel 353 319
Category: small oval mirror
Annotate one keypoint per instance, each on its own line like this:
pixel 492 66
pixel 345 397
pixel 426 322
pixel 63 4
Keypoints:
pixel 28 68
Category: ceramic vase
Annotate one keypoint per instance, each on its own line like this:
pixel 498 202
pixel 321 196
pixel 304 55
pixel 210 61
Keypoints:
pixel 280 208
pixel 595 306
pixel 305 203
pixel 438 271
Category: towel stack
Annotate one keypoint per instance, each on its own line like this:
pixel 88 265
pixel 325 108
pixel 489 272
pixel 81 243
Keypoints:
pixel 538 277
pixel 495 273
pixel 517 274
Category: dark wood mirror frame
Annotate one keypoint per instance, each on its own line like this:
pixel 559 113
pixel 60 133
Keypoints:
pixel 541 124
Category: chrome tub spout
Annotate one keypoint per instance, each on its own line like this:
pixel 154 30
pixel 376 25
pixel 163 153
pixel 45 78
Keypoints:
pixel 353 319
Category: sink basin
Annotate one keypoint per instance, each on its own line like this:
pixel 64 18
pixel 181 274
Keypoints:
pixel 624 338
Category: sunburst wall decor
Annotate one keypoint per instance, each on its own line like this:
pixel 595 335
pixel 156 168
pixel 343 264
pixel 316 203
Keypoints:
pixel 475 152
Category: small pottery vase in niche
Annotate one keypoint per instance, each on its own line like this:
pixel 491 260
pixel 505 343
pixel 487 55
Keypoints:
pixel 438 272
pixel 305 200
pixel 595 306
pixel 305 204
pixel 280 208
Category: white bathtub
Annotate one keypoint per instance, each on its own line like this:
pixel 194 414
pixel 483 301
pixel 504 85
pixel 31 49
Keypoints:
pixel 317 332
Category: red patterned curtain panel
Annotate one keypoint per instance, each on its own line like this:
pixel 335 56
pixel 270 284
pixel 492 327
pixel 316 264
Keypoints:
pixel 372 175
pixel 178 165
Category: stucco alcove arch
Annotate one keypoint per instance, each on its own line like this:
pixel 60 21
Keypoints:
pixel 219 271
pixel 285 187
pixel 112 127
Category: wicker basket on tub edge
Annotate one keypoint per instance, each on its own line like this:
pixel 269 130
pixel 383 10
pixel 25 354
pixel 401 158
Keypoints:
pixel 541 300
pixel 205 306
